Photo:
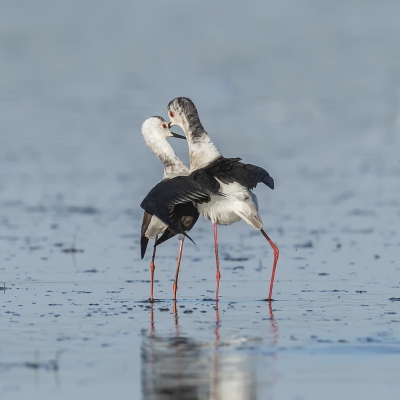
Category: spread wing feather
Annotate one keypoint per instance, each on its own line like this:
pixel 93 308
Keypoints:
pixel 186 215
pixel 166 198
pixel 162 200
pixel 229 170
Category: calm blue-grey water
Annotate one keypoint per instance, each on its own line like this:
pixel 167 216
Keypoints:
pixel 308 90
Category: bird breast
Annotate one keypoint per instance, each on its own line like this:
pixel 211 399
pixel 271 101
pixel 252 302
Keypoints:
pixel 235 203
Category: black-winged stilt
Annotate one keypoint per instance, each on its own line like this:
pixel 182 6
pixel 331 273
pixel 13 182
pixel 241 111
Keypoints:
pixel 220 187
pixel 155 131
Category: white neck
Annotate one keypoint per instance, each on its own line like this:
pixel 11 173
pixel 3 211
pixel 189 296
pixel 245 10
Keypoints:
pixel 173 166
pixel 202 151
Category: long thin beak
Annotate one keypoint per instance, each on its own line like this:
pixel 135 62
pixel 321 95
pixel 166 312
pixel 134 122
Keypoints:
pixel 178 136
pixel 169 125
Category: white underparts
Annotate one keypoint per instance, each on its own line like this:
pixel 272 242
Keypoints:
pixel 235 204
pixel 202 153
pixel 156 227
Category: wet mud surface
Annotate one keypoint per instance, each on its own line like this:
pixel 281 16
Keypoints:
pixel 80 320
pixel 317 107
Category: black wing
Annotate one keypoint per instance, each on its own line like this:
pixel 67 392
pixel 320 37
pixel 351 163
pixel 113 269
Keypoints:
pixel 229 170
pixel 258 175
pixel 163 199
pixel 187 215
pixel 143 239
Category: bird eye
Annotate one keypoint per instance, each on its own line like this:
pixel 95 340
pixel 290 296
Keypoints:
pixel 171 114
pixel 164 126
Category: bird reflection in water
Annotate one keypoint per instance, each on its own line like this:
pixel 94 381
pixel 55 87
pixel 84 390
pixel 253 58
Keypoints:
pixel 180 367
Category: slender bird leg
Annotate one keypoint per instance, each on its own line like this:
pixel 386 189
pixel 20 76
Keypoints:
pixel 216 259
pixel 175 285
pixel 276 256
pixel 152 268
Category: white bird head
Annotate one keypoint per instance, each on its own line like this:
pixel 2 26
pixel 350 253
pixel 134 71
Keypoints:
pixel 155 130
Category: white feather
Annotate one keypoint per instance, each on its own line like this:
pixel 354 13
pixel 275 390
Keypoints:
pixel 156 226
pixel 155 137
pixel 235 204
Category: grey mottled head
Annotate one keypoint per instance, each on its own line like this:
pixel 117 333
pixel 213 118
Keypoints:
pixel 202 151
pixel 183 112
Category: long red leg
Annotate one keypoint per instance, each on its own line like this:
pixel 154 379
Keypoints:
pixel 276 256
pixel 152 268
pixel 175 285
pixel 216 258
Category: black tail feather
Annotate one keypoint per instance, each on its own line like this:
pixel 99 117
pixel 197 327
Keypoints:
pixel 143 245
pixel 168 234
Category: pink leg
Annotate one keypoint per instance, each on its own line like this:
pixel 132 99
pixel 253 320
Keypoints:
pixel 216 258
pixel 175 285
pixel 152 268
pixel 276 256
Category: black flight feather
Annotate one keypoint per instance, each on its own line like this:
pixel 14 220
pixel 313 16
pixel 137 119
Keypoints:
pixel 187 215
pixel 143 239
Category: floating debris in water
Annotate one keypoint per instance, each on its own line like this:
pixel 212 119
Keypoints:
pixel 236 258
pixel 305 245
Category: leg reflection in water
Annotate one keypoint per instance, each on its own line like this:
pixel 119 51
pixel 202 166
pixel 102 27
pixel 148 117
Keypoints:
pixel 205 364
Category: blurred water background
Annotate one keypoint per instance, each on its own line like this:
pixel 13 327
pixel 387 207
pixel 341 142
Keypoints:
pixel 308 90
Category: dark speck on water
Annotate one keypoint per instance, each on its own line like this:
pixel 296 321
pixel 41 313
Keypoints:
pixel 72 250
pixel 236 259
pixel 305 245
pixel 82 210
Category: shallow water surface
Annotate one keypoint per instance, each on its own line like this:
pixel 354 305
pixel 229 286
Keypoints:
pixel 311 92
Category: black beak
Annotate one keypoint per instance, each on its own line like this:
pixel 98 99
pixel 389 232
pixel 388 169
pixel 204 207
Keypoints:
pixel 178 136
pixel 169 125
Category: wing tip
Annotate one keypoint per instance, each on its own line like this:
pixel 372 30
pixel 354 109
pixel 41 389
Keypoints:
pixel 143 245
pixel 269 181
